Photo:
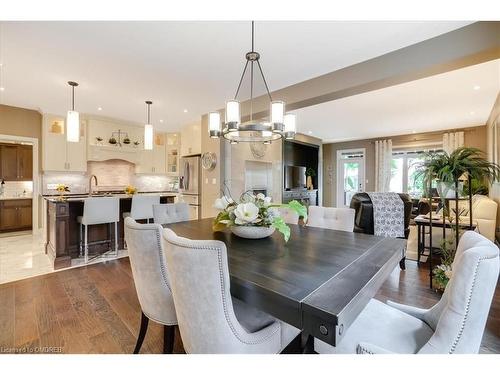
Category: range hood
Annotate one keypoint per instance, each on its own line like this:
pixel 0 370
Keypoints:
pixel 103 153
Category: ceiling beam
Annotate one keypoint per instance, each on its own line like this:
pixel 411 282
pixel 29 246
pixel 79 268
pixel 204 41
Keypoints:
pixel 469 45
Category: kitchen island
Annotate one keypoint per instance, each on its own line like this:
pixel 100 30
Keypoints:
pixel 62 243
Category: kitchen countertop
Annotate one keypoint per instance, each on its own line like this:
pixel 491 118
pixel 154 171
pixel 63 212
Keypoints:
pixel 81 197
pixel 11 197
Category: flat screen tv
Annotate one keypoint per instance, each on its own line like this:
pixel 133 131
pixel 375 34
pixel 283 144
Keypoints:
pixel 295 177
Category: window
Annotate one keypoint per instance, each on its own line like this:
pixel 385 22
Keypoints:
pixel 404 176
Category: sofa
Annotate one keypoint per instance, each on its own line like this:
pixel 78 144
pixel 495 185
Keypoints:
pixel 484 215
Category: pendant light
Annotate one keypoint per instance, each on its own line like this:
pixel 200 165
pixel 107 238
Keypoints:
pixel 73 118
pixel 252 131
pixel 148 129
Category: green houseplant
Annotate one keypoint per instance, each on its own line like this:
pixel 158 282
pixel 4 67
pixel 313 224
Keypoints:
pixel 448 169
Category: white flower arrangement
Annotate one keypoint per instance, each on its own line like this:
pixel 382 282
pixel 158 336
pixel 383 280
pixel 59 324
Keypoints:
pixel 254 210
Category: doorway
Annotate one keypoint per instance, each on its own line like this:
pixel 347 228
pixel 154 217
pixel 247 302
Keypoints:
pixel 350 175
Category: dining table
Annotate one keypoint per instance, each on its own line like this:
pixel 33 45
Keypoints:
pixel 319 281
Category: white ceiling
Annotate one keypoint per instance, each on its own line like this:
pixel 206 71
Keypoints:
pixel 444 101
pixel 179 65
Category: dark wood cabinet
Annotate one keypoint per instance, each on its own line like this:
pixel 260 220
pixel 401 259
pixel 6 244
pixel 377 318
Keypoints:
pixel 16 162
pixel 15 214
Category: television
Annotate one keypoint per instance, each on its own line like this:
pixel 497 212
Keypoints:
pixel 295 177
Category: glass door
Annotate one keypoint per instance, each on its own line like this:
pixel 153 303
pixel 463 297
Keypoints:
pixel 351 176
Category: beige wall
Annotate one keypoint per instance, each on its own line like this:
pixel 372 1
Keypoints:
pixel 473 137
pixel 20 122
pixel 495 188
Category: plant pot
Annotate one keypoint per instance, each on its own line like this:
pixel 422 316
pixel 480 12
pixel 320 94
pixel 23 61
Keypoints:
pixel 252 232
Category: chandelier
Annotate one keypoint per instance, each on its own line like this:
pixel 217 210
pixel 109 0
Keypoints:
pixel 280 125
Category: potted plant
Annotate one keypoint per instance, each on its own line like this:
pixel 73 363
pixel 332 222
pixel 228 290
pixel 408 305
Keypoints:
pixel 130 190
pixel 310 173
pixel 99 140
pixel 126 140
pixel 254 216
pixel 62 189
pixel 136 143
pixel 112 141
pixel 447 170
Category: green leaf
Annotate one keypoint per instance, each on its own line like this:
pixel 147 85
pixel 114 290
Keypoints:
pixel 217 225
pixel 299 208
pixel 281 226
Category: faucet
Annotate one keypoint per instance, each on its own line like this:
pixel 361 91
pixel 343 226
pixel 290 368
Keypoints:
pixel 90 183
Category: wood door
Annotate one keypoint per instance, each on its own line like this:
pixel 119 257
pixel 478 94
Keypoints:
pixel 8 162
pixel 24 216
pixel 25 163
pixel 8 216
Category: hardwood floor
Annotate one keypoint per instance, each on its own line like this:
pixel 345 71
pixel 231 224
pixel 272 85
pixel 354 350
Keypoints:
pixel 95 309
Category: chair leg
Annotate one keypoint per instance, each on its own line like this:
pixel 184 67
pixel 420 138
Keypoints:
pixel 85 245
pixel 80 240
pixel 402 263
pixel 142 333
pixel 168 339
pixel 116 239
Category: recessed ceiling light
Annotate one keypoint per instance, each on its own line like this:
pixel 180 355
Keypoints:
pixel 310 132
pixel 2 88
pixel 99 108
pixel 413 131
pixel 185 111
pixel 161 121
pixel 472 112
pixel 477 87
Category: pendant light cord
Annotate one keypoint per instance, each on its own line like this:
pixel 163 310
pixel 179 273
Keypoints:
pixel 73 98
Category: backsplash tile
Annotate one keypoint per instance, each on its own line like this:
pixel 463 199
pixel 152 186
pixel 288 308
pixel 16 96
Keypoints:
pixel 17 188
pixel 111 174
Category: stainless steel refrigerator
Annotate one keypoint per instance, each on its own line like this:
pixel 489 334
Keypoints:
pixel 190 184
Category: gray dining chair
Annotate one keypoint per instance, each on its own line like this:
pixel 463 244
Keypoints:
pixel 149 268
pixel 453 325
pixel 331 218
pixel 170 213
pixel 210 320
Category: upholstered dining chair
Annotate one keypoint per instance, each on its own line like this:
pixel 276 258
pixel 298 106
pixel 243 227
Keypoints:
pixel 331 218
pixel 453 325
pixel 289 216
pixel 210 321
pixel 170 213
pixel 149 268
pixel 142 207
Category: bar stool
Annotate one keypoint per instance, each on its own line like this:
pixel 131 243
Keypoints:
pixel 98 211
pixel 142 207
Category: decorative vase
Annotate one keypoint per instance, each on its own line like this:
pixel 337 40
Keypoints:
pixel 309 183
pixel 252 232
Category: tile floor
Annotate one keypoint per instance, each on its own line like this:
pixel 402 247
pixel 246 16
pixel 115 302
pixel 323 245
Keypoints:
pixel 22 255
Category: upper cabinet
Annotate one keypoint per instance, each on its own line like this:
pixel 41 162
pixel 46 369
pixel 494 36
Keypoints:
pixel 57 153
pixel 154 161
pixel 16 162
pixel 191 139
pixel 173 151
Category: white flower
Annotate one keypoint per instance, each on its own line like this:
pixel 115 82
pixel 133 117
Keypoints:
pixel 222 203
pixel 261 196
pixel 267 201
pixel 246 213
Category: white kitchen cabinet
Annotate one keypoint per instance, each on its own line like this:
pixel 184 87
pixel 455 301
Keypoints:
pixel 172 151
pixel 58 154
pixel 191 139
pixel 154 161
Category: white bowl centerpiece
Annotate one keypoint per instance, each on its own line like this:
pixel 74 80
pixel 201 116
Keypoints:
pixel 254 216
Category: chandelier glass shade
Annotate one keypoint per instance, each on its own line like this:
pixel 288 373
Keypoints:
pixel 236 131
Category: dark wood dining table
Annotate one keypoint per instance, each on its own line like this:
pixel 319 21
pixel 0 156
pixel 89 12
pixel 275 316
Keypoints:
pixel 319 281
